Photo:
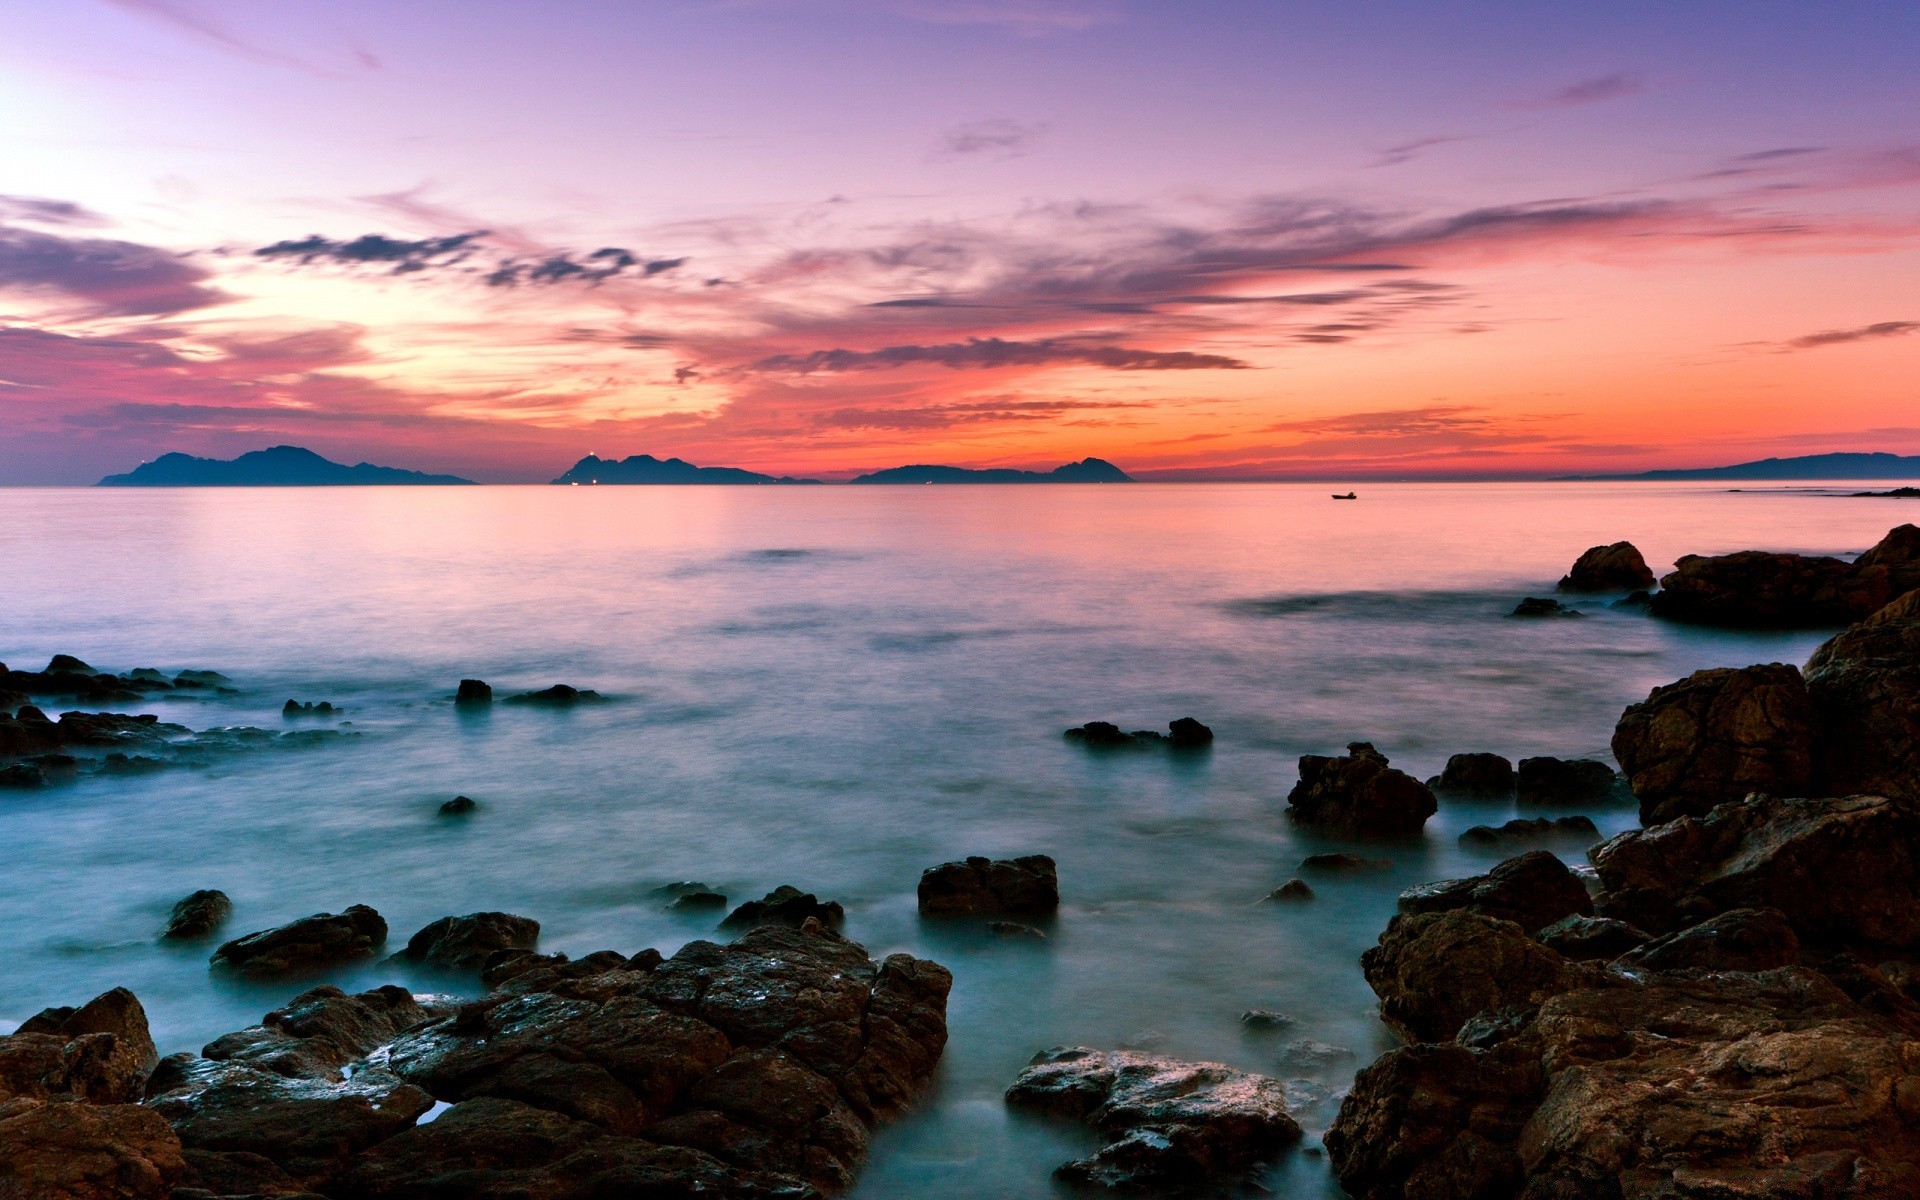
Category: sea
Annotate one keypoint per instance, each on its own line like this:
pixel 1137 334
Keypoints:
pixel 836 688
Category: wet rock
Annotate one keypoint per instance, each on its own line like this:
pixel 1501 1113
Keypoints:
pixel 1615 568
pixel 1897 554
pixel 67 662
pixel 1843 870
pixel 322 1030
pixel 310 943
pixel 979 887
pixel 294 708
pixel 698 902
pixel 560 695
pixel 1293 891
pixel 1715 736
pixel 1534 606
pixel 1187 733
pixel 786 905
pixel 1014 929
pixel 1359 795
pixel 1309 1055
pixel 1533 891
pixel 464 943
pixel 65 1150
pixel 1583 939
pixel 1167 1123
pixel 1264 1020
pixel 1475 775
pixel 200 678
pixel 458 806
pixel 1434 972
pixel 1103 734
pixel 1741 939
pixel 1761 590
pixel 100 1053
pixel 1864 686
pixel 1634 602
pixel 198 916
pixel 1521 830
pixel 1564 782
pixel 473 691
pixel 1343 864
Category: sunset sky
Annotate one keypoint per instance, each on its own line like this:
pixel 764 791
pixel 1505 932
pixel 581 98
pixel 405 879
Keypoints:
pixel 1203 240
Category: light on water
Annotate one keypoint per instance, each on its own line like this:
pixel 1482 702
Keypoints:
pixel 836 688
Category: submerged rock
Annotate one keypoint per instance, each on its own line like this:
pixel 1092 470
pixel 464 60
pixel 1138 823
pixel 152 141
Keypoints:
pixel 1167 1123
pixel 1293 891
pixel 1534 606
pixel 1615 568
pixel 1359 795
pixel 1264 1020
pixel 464 943
pixel 198 916
pixel 1534 890
pixel 1475 775
pixel 473 691
pixel 1564 782
pixel 1864 687
pixel 1532 829
pixel 321 940
pixel 980 887
pixel 1014 929
pixel 1715 736
pixel 1344 864
pixel 786 905
pixel 698 902
pixel 1188 733
pixel 294 708
pixel 1183 733
pixel 459 806
pixel 560 695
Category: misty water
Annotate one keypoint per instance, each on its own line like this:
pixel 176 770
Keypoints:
pixel 836 688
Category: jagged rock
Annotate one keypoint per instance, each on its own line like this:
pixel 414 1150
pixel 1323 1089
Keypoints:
pixel 979 887
pixel 1897 554
pixel 1187 733
pixel 1533 891
pixel 1843 870
pixel 100 1052
pixel 459 806
pixel 321 940
pixel 1741 939
pixel 1532 829
pixel 1103 734
pixel 560 695
pixel 1715 736
pixel 1582 938
pixel 1435 971
pixel 1293 891
pixel 473 691
pixel 1563 782
pixel 1475 775
pixel 1264 1020
pixel 786 905
pixel 69 1150
pixel 1864 685
pixel 464 943
pixel 1534 606
pixel 1760 590
pixel 1359 795
pixel 294 708
pixel 1167 1123
pixel 1343 864
pixel 198 916
pixel 322 1030
pixel 1615 568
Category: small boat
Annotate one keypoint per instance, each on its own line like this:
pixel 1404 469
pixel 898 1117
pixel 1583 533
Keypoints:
pixel 1348 496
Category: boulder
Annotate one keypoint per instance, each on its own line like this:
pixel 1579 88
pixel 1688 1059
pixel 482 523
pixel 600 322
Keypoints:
pixel 698 902
pixel 1533 891
pixel 1264 1020
pixel 1103 734
pixel 1864 687
pixel 1615 568
pixel 1563 782
pixel 309 944
pixel 1475 775
pixel 1359 795
pixel 1715 736
pixel 1535 606
pixel 1167 1124
pixel 1293 891
pixel 322 1030
pixel 1522 830
pixel 198 916
pixel 1582 939
pixel 979 887
pixel 1187 733
pixel 560 695
pixel 1897 554
pixel 1436 971
pixel 1741 939
pixel 473 691
pixel 459 806
pixel 100 1052
pixel 1756 589
pixel 786 905
pixel 69 1150
pixel 464 943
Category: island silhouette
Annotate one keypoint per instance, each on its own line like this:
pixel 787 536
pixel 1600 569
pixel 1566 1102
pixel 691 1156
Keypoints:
pixel 276 466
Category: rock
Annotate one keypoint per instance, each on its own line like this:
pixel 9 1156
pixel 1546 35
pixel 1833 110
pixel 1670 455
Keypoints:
pixel 473 691
pixel 1843 870
pixel 786 905
pixel 1897 554
pixel 1741 939
pixel 1309 1055
pixel 698 902
pixel 1475 775
pixel 1534 606
pixel 198 916
pixel 1102 734
pixel 322 1030
pixel 1264 1020
pixel 55 1150
pixel 1634 602
pixel 1434 972
pixel 60 663
pixel 1615 568
pixel 560 695
pixel 1759 590
pixel 1581 938
pixel 463 943
pixel 1359 795
pixel 1564 782
pixel 1864 687
pixel 1167 1123
pixel 979 887
pixel 1533 891
pixel 1293 891
pixel 458 806
pixel 1521 830
pixel 1715 736
pixel 1014 929
pixel 294 708
pixel 310 943
pixel 1187 733
pixel 100 1053
pixel 1343 864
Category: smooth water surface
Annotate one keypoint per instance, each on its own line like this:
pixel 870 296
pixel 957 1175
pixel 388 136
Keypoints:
pixel 836 688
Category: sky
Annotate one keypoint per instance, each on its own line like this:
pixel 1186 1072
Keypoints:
pixel 1211 240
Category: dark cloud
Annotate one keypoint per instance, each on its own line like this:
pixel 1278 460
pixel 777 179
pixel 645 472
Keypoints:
pixel 999 138
pixel 405 257
pixel 1864 333
pixel 111 278
pixel 456 252
pixel 1591 91
pixel 42 211
pixel 993 352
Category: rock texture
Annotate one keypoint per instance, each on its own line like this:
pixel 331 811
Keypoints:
pixel 100 1053
pixel 308 944
pixel 1168 1124
pixel 1359 795
pixel 981 887
pixel 1475 775
pixel 1615 568
pixel 1756 589
pixel 1534 890
pixel 323 1030
pixel 198 916
pixel 1521 830
pixel 786 905
pixel 465 943
pixel 1864 686
pixel 1715 736
pixel 1434 972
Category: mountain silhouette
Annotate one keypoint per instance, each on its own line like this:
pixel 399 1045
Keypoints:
pixel 1087 470
pixel 645 468
pixel 276 466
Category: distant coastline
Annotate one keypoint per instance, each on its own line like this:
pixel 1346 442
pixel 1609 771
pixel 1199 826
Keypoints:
pixel 276 466
pixel 1087 470
pixel 1847 465
pixel 646 469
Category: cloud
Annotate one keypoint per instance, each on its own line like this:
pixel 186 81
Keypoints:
pixel 1393 156
pixel 1863 333
pixel 111 278
pixel 1597 90
pixel 1030 18
pixel 1761 156
pixel 993 353
pixel 42 211
pixel 1000 138
pixel 182 18
pixel 454 252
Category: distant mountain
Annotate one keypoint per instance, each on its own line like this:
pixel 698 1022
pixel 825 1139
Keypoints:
pixel 1806 466
pixel 276 466
pixel 1087 470
pixel 645 468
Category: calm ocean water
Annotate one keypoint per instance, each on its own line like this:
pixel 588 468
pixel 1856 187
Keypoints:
pixel 835 688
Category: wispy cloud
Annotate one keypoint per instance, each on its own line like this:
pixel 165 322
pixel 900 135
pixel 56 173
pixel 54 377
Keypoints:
pixel 1393 156
pixel 41 211
pixel 105 277
pixel 1597 90
pixel 182 17
pixel 456 252
pixel 994 353
pixel 1862 333
pixel 997 138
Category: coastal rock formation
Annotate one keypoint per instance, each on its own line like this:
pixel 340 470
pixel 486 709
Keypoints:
pixel 1714 737
pixel 1359 795
pixel 560 695
pixel 98 1053
pixel 1534 891
pixel 473 691
pixel 1757 589
pixel 1584 938
pixel 1740 939
pixel 786 905
pixel 1898 554
pixel 307 944
pixel 979 887
pixel 1615 568
pixel 322 1030
pixel 1434 972
pixel 1521 830
pixel 1343 864
pixel 1183 733
pixel 1864 686
pixel 198 916
pixel 1475 775
pixel 1535 606
pixel 1563 782
pixel 1168 1124
pixel 1293 891
pixel 465 943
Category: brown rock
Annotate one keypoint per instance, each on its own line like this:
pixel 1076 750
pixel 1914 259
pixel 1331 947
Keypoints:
pixel 100 1052
pixel 308 944
pixel 465 943
pixel 1615 568
pixel 1898 554
pixel 1533 891
pixel 1563 782
pixel 71 1150
pixel 1864 686
pixel 1714 737
pixel 1435 971
pixel 198 916
pixel 786 905
pixel 1761 590
pixel 1359 795
pixel 321 1031
pixel 1741 939
pixel 1475 775
pixel 978 887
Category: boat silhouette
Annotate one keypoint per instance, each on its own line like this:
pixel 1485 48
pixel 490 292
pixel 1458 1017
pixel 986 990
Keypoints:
pixel 1348 496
